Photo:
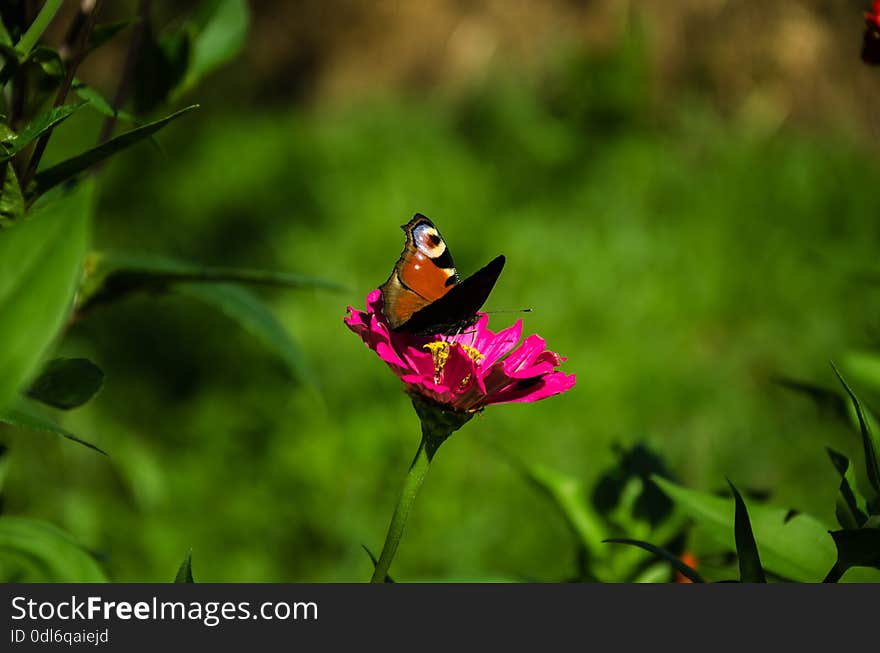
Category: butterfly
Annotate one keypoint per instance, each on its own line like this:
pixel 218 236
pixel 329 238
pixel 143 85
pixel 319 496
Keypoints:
pixel 871 40
pixel 424 293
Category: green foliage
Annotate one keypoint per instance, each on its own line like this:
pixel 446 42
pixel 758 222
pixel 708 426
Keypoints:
pixel 796 548
pixel 184 573
pixel 663 554
pixel 855 548
pixel 29 39
pixel 51 177
pixel 750 569
pixel 38 126
pixel 850 505
pixel 675 299
pixel 622 502
pixel 254 316
pixel 220 28
pixel 67 383
pixel 175 61
pixel 11 199
pixel 40 266
pixel 34 551
pixel 26 414
pixel 110 276
pixel 872 463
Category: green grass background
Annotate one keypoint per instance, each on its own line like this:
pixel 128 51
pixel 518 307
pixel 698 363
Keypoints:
pixel 678 258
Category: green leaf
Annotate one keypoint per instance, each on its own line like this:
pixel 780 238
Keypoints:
pixel 872 467
pixel 663 554
pixel 40 267
pixel 184 573
pixel 750 570
pixel 375 561
pixel 66 383
pixel 111 276
pixel 848 510
pixel 221 31
pixel 53 176
pixel 39 125
pixel 5 39
pixel 797 548
pixel 99 102
pixel 11 199
pixel 255 317
pixel 35 31
pixel 35 551
pixel 25 414
pixel 855 548
pixel 49 60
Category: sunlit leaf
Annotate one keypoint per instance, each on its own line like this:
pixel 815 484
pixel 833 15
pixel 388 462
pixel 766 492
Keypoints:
pixel 36 127
pixel 255 317
pixel 26 414
pixel 872 466
pixel 848 509
pixel 67 383
pixel 49 60
pixel 35 551
pixel 663 554
pixel 184 572
pixel 5 39
pixel 98 102
pixel 111 276
pixel 40 267
pixel 797 549
pixel 11 199
pixel 33 33
pixel 53 176
pixel 750 570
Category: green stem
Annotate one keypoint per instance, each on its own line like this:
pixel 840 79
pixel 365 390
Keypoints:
pixel 414 477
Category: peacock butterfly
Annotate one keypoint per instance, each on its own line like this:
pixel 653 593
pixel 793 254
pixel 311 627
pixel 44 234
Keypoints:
pixel 424 293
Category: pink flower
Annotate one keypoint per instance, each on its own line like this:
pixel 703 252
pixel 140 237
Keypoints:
pixel 468 371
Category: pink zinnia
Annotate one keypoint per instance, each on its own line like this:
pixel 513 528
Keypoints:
pixel 464 372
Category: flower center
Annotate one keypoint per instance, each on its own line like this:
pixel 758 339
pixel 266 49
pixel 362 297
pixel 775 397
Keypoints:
pixel 440 354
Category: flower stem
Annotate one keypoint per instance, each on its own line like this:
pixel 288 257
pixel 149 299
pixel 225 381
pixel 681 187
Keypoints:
pixel 414 477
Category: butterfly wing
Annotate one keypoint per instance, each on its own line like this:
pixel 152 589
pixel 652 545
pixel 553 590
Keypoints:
pixel 423 273
pixel 458 307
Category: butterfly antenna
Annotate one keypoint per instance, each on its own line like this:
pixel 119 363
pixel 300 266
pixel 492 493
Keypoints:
pixel 510 310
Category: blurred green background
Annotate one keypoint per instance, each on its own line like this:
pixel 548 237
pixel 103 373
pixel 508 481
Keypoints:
pixel 687 196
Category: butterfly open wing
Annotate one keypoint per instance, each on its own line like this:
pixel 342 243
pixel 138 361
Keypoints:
pixel 458 308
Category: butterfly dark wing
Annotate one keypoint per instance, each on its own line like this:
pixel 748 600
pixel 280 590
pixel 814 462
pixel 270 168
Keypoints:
pixel 871 45
pixel 458 307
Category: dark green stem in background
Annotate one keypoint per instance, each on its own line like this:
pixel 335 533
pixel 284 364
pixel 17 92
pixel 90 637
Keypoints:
pixel 414 477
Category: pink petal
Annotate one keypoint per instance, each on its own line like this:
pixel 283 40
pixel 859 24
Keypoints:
pixel 549 385
pixel 524 355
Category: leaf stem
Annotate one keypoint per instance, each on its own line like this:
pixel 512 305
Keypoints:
pixel 76 43
pixel 131 59
pixel 414 478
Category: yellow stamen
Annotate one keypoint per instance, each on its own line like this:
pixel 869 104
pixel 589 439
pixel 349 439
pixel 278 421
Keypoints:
pixel 440 354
